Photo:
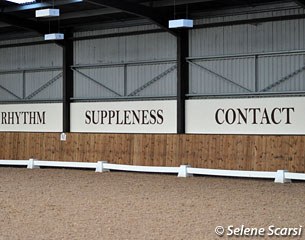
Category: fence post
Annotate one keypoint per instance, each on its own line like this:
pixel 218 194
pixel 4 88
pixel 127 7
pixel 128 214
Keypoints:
pixel 31 164
pixel 280 177
pixel 183 171
pixel 100 167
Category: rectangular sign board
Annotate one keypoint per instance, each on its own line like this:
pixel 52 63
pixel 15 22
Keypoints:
pixel 276 116
pixel 46 117
pixel 124 117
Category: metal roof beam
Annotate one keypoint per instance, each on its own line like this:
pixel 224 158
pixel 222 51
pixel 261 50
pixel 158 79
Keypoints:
pixel 88 13
pixel 34 26
pixel 301 3
pixel 23 23
pixel 167 3
pixel 136 9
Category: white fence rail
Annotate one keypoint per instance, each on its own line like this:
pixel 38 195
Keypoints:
pixel 134 168
pixel 281 176
pixel 231 173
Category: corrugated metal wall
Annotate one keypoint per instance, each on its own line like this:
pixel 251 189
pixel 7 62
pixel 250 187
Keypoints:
pixel 244 59
pixel 233 59
pixel 281 73
pixel 138 65
pixel 225 75
pixel 31 73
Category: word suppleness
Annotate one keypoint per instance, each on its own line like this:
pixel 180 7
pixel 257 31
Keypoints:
pixel 124 117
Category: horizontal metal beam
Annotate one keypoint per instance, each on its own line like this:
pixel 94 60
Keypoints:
pixel 42 69
pixel 246 95
pixel 27 101
pixel 124 98
pixel 248 55
pixel 166 3
pixel 121 64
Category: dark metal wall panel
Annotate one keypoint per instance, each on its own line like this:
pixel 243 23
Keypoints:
pixel 124 64
pixel 156 80
pixel 227 75
pixel 99 82
pixel 11 85
pixel 238 53
pixel 31 72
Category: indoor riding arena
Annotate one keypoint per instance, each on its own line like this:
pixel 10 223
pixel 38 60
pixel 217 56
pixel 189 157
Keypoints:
pixel 152 119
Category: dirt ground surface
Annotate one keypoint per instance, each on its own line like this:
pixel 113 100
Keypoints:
pixel 81 204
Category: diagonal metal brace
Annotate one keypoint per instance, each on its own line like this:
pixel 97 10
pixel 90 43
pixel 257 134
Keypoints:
pixel 284 79
pixel 44 86
pixel 9 92
pixel 97 82
pixel 218 75
pixel 155 79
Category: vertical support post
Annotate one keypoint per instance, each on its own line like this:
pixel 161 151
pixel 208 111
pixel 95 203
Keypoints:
pixel 68 81
pixel 256 73
pixel 23 85
pixel 182 77
pixel 125 80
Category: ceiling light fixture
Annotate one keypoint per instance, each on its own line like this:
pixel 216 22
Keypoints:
pixel 180 23
pixel 21 1
pixel 50 12
pixel 54 36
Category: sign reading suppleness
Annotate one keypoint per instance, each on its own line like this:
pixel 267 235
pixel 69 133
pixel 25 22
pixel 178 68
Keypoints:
pixel 31 117
pixel 124 117
pixel 277 116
